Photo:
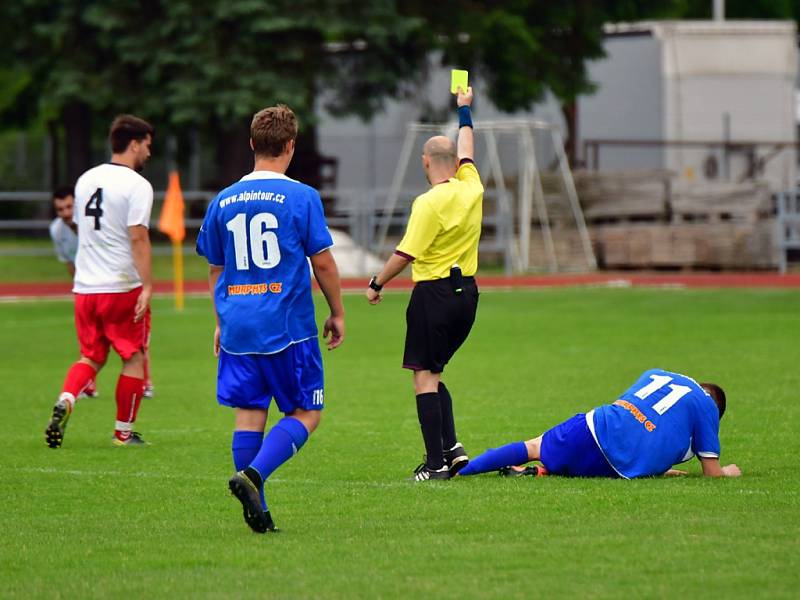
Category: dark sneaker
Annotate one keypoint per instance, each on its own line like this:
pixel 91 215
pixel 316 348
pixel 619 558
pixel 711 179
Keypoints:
pixel 425 473
pixel 134 439
pixel 456 459
pixel 532 471
pixel 246 491
pixel 54 434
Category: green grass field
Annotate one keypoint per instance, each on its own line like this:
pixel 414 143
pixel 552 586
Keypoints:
pixel 44 266
pixel 90 520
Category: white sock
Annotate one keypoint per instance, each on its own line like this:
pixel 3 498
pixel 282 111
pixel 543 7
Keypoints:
pixel 69 398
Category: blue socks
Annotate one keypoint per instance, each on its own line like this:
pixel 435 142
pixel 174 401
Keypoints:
pixel 497 458
pixel 245 446
pixel 282 442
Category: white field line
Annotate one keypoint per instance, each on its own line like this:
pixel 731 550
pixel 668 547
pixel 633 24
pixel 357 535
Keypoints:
pixel 403 483
pixel 183 476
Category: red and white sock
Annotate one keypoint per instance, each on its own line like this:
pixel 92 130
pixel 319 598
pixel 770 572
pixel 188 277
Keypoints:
pixel 122 430
pixel 78 377
pixel 129 396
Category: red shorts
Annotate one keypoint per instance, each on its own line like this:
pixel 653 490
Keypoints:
pixel 104 320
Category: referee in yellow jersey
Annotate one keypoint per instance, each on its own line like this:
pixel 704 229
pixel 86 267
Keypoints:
pixel 441 242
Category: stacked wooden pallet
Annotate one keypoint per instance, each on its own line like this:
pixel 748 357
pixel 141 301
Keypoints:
pixel 746 202
pixel 625 196
pixel 645 219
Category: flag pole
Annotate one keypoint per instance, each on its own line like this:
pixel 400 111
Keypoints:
pixel 171 223
pixel 177 263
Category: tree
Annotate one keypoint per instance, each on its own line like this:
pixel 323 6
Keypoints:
pixel 207 65
pixel 65 66
pixel 738 9
pixel 204 67
pixel 526 47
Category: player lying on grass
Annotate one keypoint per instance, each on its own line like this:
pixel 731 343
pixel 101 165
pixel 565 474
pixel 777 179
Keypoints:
pixel 662 420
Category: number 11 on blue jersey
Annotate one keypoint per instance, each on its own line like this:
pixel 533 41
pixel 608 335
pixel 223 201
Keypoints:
pixel 659 381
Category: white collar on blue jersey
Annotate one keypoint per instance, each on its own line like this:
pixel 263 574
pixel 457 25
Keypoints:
pixel 265 175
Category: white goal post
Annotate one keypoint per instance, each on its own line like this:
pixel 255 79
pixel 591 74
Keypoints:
pixel 516 237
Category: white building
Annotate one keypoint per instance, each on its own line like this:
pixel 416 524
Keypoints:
pixel 695 81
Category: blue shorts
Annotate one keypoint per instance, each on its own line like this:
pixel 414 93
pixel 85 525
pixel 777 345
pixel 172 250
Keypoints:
pixel 570 449
pixel 292 376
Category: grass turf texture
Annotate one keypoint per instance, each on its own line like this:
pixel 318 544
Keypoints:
pixel 89 520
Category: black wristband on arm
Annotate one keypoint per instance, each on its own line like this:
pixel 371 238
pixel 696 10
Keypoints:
pixel 464 117
pixel 373 284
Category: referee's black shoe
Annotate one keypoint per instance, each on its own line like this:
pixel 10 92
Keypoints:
pixel 425 473
pixel 456 459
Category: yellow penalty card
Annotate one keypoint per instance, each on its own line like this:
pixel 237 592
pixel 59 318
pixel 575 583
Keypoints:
pixel 458 79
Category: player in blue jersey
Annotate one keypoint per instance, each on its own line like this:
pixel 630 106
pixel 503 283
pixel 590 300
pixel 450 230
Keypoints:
pixel 257 236
pixel 662 420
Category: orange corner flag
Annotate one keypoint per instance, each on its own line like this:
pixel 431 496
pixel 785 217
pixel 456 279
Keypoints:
pixel 171 220
pixel 171 223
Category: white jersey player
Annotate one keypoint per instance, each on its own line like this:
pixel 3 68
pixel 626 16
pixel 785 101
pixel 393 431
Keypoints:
pixel 110 198
pixel 112 278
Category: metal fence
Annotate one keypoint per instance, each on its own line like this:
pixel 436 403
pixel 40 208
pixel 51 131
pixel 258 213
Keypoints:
pixel 788 226
pixel 525 173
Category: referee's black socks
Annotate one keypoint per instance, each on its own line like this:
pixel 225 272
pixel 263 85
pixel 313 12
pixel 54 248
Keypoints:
pixel 448 422
pixel 429 411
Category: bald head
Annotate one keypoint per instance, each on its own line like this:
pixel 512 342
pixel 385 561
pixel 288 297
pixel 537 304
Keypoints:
pixel 440 149
pixel 439 159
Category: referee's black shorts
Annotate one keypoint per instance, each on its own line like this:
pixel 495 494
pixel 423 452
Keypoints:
pixel 438 320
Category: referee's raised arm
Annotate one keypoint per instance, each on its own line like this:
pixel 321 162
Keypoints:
pixel 441 243
pixel 466 144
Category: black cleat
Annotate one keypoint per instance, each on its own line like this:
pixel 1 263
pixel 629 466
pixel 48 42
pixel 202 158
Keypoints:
pixel 425 473
pixel 532 471
pixel 54 434
pixel 266 518
pixel 456 459
pixel 246 491
pixel 134 440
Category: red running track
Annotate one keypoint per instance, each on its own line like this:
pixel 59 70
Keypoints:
pixel 624 279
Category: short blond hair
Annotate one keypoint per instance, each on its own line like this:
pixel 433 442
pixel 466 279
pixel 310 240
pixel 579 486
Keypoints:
pixel 271 129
